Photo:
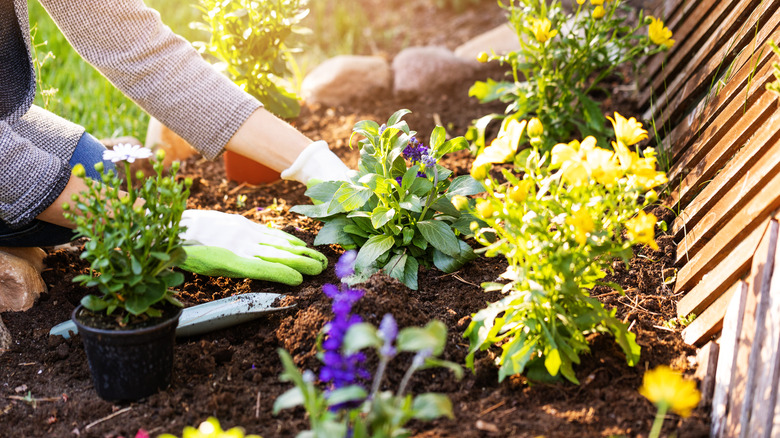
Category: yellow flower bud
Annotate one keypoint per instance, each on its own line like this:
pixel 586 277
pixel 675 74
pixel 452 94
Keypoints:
pixel 599 12
pixel 597 2
pixel 535 128
pixel 482 57
pixel 460 202
pixel 519 193
pixel 485 208
pixel 99 167
pixel 79 171
pixel 160 155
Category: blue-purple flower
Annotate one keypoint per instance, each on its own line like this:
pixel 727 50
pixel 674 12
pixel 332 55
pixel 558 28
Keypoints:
pixel 415 150
pixel 388 330
pixel 340 370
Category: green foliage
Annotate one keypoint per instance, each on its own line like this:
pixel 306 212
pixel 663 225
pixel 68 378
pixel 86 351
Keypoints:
pixel 399 216
pixel 563 60
pixel 558 219
pixel 251 42
pixel 132 245
pixel 381 414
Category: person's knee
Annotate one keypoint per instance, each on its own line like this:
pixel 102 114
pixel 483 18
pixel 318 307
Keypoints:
pixel 89 151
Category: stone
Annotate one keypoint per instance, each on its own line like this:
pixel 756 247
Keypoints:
pixel 417 70
pixel 158 136
pixel 347 78
pixel 500 40
pixel 20 278
pixel 5 338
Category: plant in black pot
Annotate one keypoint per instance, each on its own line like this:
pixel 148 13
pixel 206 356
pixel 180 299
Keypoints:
pixel 128 323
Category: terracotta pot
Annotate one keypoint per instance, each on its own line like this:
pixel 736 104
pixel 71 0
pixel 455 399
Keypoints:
pixel 241 169
pixel 129 364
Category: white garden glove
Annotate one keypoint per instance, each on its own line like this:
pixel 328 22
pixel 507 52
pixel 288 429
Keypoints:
pixel 230 245
pixel 319 163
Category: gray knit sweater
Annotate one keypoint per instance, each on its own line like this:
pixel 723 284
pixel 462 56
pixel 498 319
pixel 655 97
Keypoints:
pixel 127 42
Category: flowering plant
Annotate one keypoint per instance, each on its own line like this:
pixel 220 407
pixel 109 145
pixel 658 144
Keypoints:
pixel 346 408
pixel 210 429
pixel 397 207
pixel 667 389
pixel 563 59
pixel 560 225
pixel 250 40
pixel 133 237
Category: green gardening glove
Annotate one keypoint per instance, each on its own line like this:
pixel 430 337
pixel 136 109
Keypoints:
pixel 230 245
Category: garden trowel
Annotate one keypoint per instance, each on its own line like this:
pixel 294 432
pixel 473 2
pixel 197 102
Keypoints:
pixel 210 316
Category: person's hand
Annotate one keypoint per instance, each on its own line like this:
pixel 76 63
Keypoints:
pixel 230 245
pixel 317 163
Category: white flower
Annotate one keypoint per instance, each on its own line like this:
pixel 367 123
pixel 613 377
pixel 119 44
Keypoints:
pixel 126 152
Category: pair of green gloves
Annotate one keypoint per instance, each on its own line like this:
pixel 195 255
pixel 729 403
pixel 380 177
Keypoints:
pixel 230 245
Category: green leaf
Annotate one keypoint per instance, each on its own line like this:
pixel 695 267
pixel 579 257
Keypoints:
pixel 431 337
pixel 381 215
pixel 395 267
pixel 324 191
pixel 438 136
pixel 360 336
pixel 409 177
pixel 552 361
pixel 450 264
pixel 430 406
pixel 490 90
pixel 374 248
pixel 440 235
pixel 410 273
pixel 346 394
pixel 421 187
pixel 366 128
pixel 397 116
pixel 444 205
pixel 291 398
pixel 433 362
pixel 93 303
pixel 465 185
pixel 318 211
pixel 356 230
pixel 351 197
pixel 333 232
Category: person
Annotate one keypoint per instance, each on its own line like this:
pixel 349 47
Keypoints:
pixel 129 44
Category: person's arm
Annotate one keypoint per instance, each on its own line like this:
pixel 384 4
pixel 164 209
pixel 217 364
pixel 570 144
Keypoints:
pixel 268 140
pixel 53 213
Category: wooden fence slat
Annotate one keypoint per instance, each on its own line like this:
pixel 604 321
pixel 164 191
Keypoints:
pixel 710 321
pixel 758 161
pixel 684 22
pixel 707 33
pixel 707 119
pixel 744 221
pixel 698 74
pixel 706 367
pixel 767 359
pixel 732 327
pixel 729 192
pixel 742 385
pixel 722 273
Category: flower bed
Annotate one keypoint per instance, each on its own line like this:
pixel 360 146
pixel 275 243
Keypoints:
pixel 233 374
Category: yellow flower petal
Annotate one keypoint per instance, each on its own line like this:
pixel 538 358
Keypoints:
pixel 628 131
pixel 501 150
pixel 641 229
pixel 659 34
pixel 664 386
pixel 599 12
pixel 582 223
pixel 541 30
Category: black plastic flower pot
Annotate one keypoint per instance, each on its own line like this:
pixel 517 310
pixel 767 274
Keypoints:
pixel 129 364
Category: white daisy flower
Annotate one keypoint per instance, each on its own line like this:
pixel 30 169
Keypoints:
pixel 126 152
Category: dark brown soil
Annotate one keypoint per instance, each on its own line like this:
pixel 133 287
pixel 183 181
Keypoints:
pixel 233 374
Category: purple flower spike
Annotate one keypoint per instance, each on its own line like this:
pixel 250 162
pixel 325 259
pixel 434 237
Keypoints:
pixel 345 267
pixel 388 328
pixel 382 128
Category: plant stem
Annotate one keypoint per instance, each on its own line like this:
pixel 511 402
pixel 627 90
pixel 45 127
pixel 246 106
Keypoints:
pixel 658 423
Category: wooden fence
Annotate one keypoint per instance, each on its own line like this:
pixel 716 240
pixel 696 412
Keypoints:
pixel 720 128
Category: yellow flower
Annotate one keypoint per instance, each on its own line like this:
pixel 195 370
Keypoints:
pixel 580 2
pixel 485 208
pixel 541 30
pixel 667 388
pixel 460 202
pixel 501 150
pixel 572 159
pixel 519 193
pixel 482 57
pixel 628 131
pixel 641 229
pixel 597 2
pixel 535 128
pixel 646 176
pixel 211 429
pixel 605 167
pixel 659 34
pixel 582 223
pixel 599 12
